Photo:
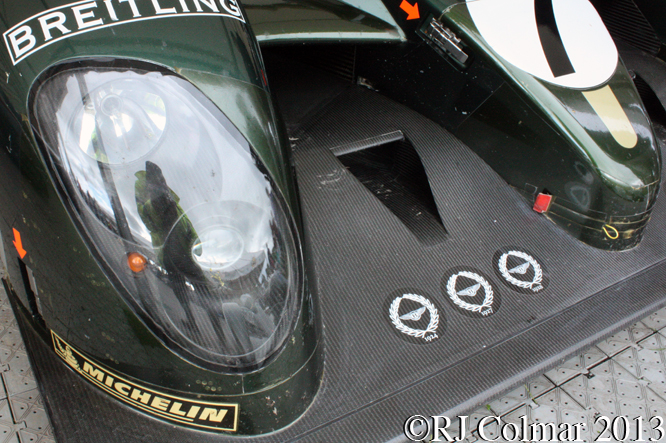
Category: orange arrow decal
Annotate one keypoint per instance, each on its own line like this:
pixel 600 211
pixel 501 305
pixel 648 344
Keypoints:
pixel 18 244
pixel 412 11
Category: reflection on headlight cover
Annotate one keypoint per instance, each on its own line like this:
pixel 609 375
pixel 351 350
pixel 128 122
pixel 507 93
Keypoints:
pixel 151 166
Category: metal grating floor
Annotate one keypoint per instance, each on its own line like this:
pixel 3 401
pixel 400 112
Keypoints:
pixel 623 375
pixel 23 418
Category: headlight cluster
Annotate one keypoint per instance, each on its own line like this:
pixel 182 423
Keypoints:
pixel 177 206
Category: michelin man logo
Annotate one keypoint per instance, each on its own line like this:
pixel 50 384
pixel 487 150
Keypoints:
pixel 458 296
pixel 404 322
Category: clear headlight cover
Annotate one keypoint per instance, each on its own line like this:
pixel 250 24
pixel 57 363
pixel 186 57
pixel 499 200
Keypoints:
pixel 178 207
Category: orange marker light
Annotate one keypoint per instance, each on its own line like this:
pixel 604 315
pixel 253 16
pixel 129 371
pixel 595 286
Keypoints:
pixel 136 262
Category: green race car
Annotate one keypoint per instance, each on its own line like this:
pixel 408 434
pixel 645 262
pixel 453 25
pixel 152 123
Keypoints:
pixel 286 219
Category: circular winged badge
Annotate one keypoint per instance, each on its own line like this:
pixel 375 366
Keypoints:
pixel 470 292
pixel 520 270
pixel 414 317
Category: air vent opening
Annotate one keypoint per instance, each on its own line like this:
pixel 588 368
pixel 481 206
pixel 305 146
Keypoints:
pixel 30 287
pixel 336 60
pixel 627 23
pixel 394 174
pixel 652 104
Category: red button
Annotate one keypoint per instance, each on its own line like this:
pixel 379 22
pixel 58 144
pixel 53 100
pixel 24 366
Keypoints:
pixel 542 203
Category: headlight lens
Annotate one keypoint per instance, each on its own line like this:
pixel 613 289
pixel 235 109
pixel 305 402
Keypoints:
pixel 149 165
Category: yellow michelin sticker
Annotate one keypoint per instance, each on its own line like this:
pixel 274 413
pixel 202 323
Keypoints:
pixel 183 411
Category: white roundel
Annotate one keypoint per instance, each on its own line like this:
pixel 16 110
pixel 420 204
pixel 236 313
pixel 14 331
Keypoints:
pixel 430 332
pixel 510 28
pixel 513 275
pixel 485 307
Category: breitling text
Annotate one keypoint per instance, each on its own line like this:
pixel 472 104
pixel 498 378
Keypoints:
pixel 52 25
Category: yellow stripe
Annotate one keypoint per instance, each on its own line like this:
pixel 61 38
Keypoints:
pixel 605 103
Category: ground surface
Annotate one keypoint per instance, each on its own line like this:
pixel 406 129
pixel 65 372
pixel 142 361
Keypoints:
pixel 624 375
pixel 22 415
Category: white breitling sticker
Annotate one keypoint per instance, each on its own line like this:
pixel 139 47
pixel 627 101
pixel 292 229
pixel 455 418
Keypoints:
pixel 470 292
pixel 412 322
pixel 520 270
pixel 52 25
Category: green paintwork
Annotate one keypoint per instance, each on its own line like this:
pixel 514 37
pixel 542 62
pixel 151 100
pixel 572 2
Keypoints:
pixel 284 21
pixel 511 118
pixel 77 301
pixel 626 181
